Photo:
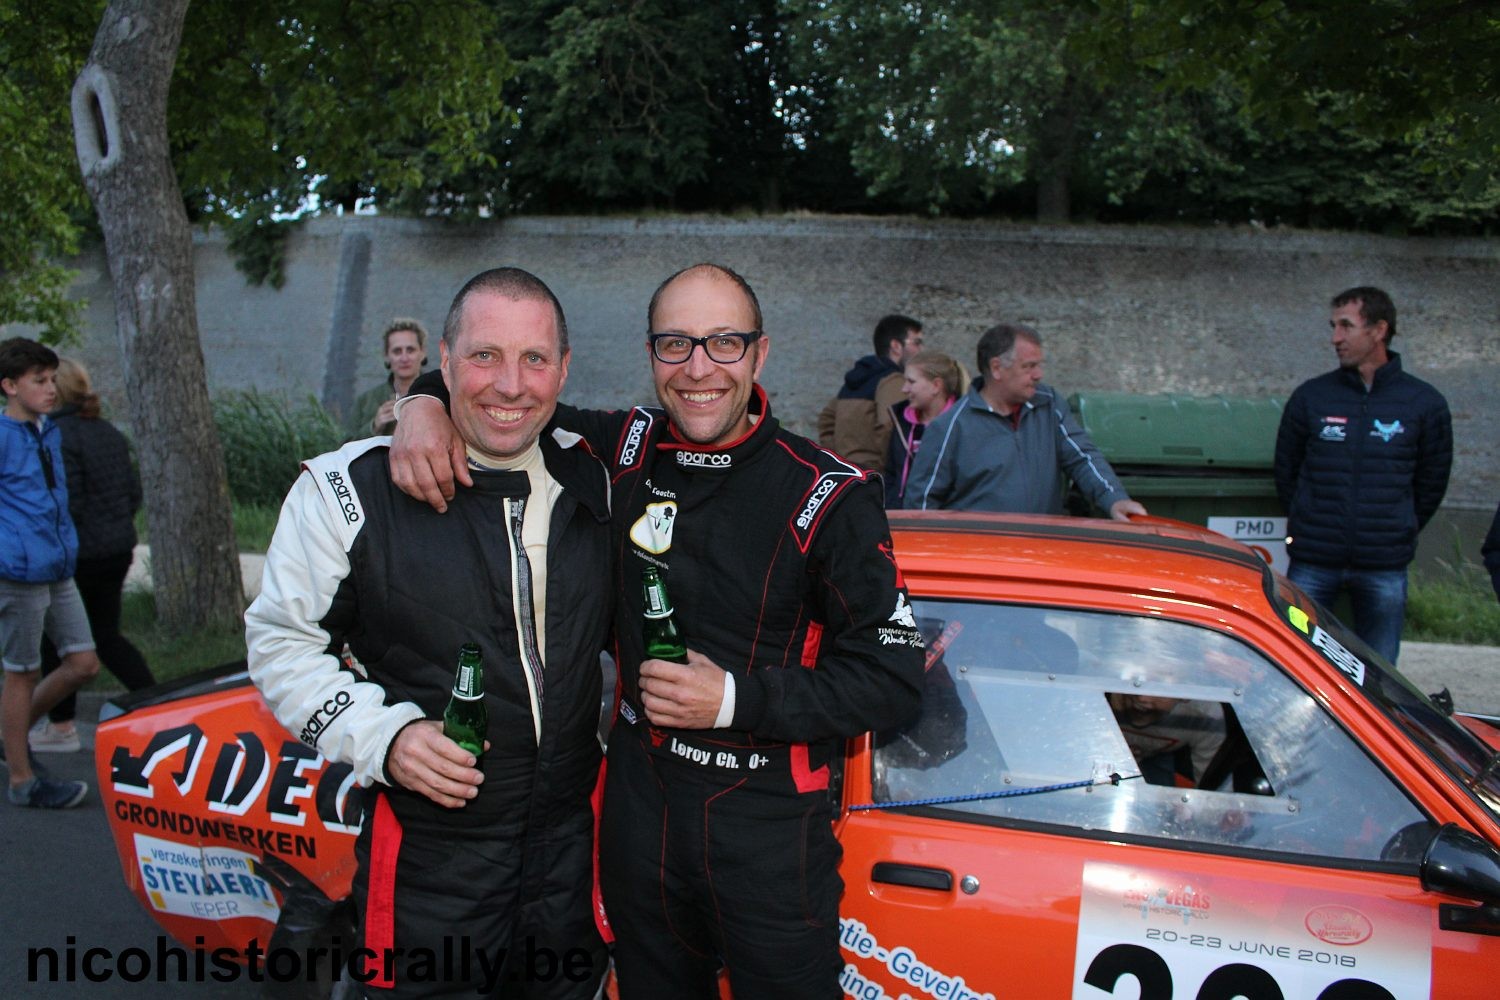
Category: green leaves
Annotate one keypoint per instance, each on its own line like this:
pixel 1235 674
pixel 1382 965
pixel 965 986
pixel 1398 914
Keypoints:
pixel 41 197
pixel 281 107
pixel 1375 114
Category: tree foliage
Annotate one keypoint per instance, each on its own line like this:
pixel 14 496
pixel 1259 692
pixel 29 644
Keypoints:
pixel 947 104
pixel 1412 83
pixel 645 103
pixel 278 107
pixel 41 201
pixel 279 102
pixel 1227 111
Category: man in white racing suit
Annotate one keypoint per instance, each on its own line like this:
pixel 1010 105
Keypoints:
pixel 489 859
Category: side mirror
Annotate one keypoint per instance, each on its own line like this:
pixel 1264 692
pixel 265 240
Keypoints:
pixel 1460 863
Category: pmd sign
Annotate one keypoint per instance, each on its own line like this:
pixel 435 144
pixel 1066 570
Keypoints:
pixel 1266 535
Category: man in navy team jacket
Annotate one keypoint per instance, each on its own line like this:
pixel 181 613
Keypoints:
pixel 1362 461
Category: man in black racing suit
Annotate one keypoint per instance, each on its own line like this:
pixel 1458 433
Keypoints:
pixel 716 845
pixel 474 876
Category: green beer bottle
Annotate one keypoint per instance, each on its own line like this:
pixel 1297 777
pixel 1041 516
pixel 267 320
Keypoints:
pixel 465 720
pixel 663 641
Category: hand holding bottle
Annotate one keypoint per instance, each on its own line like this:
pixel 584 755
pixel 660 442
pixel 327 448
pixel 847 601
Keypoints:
pixel 682 695
pixel 422 759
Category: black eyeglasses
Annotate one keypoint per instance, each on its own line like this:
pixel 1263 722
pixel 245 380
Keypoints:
pixel 722 348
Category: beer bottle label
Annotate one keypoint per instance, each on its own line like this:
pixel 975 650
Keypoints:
pixel 463 684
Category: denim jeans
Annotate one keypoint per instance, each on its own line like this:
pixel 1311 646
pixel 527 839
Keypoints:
pixel 1377 595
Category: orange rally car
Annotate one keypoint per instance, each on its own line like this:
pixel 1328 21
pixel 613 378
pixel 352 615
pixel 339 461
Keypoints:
pixel 1145 766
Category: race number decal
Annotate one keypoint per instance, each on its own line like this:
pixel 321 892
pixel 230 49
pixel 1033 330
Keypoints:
pixel 1160 934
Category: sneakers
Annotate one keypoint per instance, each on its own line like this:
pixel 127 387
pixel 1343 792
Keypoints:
pixel 49 737
pixel 43 793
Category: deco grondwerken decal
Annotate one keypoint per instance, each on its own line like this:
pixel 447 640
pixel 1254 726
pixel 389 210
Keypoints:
pixel 243 774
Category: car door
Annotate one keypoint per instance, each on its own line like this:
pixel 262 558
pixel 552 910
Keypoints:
pixel 1099 804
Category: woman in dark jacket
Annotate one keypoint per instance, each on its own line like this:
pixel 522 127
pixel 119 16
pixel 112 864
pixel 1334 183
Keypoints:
pixel 104 493
pixel 931 383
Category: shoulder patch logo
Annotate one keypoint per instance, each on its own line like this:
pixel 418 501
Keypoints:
pixel 815 499
pixel 1387 431
pixel 652 531
pixel 902 615
pixel 630 449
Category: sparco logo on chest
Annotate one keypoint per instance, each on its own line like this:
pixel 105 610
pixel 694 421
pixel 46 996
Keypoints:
pixel 344 497
pixel 632 442
pixel 815 501
pixel 704 459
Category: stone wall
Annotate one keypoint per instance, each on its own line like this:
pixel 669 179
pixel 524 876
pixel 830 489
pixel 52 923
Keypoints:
pixel 1241 312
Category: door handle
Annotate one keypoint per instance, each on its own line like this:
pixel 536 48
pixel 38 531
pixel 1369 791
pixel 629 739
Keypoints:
pixel 916 876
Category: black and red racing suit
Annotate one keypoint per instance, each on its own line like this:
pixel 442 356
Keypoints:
pixel 717 845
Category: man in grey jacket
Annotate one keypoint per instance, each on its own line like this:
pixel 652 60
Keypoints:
pixel 1005 445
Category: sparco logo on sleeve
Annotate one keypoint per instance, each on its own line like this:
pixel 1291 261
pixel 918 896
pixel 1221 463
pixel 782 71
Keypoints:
pixel 819 494
pixel 633 441
pixel 326 713
pixel 343 495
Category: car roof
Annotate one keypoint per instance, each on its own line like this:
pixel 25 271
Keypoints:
pixel 1024 550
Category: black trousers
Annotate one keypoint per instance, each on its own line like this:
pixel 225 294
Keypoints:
pixel 461 913
pixel 698 873
pixel 100 583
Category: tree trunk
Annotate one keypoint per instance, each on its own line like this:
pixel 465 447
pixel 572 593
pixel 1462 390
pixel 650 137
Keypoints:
pixel 120 129
pixel 1057 138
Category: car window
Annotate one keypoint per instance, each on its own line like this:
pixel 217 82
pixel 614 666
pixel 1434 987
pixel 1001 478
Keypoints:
pixel 1459 752
pixel 1136 725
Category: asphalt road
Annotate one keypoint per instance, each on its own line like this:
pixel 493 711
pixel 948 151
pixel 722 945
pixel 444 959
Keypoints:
pixel 1470 673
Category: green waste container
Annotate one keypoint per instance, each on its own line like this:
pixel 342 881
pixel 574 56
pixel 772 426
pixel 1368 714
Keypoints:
pixel 1193 458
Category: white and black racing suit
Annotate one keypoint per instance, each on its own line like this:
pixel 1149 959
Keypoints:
pixel 354 560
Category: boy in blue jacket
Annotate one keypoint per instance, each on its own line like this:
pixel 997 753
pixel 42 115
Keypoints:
pixel 38 550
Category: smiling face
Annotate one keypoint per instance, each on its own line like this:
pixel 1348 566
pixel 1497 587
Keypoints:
pixel 708 402
pixel 926 393
pixel 403 353
pixel 504 373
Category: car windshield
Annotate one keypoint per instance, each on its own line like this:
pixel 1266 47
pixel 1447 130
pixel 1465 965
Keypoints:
pixel 1134 724
pixel 1458 751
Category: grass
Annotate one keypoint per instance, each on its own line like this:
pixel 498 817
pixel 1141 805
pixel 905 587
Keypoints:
pixel 265 438
pixel 175 656
pixel 1453 604
pixel 253 524
pixel 168 656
